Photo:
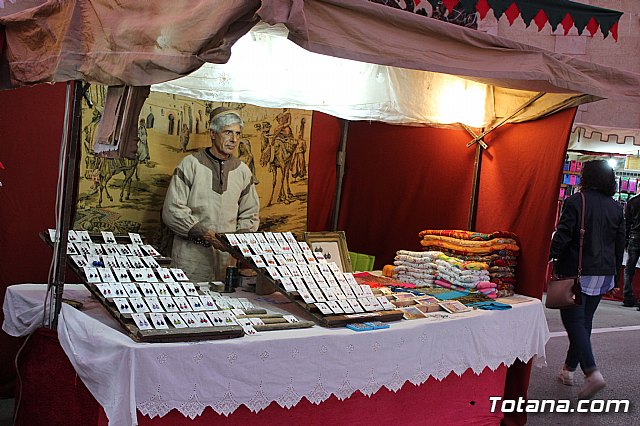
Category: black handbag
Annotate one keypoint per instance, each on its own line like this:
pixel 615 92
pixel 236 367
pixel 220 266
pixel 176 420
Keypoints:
pixel 565 292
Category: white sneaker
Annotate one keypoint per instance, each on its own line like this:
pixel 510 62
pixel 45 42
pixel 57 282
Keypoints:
pixel 566 376
pixel 592 384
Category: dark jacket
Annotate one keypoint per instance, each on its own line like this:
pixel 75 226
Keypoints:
pixel 603 240
pixel 632 220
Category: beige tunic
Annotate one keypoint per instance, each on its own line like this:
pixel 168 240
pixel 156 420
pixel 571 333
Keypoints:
pixel 208 194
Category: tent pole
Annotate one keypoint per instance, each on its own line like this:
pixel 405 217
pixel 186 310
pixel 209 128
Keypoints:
pixel 69 176
pixel 340 161
pixel 475 188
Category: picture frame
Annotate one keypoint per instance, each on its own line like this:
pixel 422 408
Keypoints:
pixel 333 245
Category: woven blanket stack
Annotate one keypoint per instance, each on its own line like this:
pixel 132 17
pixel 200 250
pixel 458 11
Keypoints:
pixel 459 274
pixel 500 250
pixel 416 267
pixel 429 268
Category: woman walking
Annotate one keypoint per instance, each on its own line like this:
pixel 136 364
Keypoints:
pixel 602 253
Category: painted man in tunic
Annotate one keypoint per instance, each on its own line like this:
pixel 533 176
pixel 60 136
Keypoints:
pixel 211 192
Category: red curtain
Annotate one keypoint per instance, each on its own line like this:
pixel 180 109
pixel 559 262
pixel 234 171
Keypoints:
pixel 325 137
pixel 400 180
pixel 31 122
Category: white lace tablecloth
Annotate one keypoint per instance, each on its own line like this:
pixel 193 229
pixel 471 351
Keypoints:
pixel 281 366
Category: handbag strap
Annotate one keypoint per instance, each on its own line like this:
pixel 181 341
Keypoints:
pixel 581 235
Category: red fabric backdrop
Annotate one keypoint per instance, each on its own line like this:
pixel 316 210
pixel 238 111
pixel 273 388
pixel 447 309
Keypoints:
pixel 325 142
pixel 31 122
pixel 400 180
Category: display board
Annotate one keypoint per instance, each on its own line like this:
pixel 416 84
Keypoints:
pixel 332 297
pixel 156 303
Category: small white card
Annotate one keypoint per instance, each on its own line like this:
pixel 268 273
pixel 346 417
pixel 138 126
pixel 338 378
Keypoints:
pixel 83 236
pixel 208 303
pixel 216 319
pixel 131 289
pixel 245 250
pixel 165 275
pixel 158 322
pixel 176 289
pixel 123 249
pixel 54 237
pixel 91 274
pixel 179 274
pixel 306 296
pixel 118 290
pixel 109 249
pixel 290 237
pixel 258 261
pixel 246 325
pixel 300 259
pixel 148 290
pixel 123 261
pixel 106 290
pixel 72 250
pixel 123 305
pixel 273 272
pixel 246 303
pixel 189 319
pixel 108 261
pixel 323 308
pixel 317 294
pixel 148 248
pixel 290 319
pixel 141 321
pixel 135 238
pixel 335 307
pixel 269 237
pixel 233 240
pixel 135 262
pixel 154 304
pixel 79 260
pixel 386 305
pixel 138 304
pixel 195 303
pixel 355 305
pixel 266 248
pixel 150 262
pixel 176 320
pixel 329 294
pixel 269 260
pixel 256 321
pixel 182 304
pixel 161 289
pixel 367 290
pixel 121 274
pixel 280 259
pixel 84 248
pixel 108 237
pixel 168 304
pixel 346 306
pixel 189 289
pixel 136 250
pixel 202 320
pixel 287 283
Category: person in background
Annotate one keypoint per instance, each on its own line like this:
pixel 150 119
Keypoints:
pixel 632 244
pixel 211 192
pixel 602 256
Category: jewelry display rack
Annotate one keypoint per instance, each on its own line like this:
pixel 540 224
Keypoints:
pixel 255 319
pixel 246 253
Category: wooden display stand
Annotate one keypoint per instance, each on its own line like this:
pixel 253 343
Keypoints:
pixel 335 320
pixel 155 335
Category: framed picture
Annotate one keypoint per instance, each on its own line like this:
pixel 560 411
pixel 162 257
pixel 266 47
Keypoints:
pixel 333 245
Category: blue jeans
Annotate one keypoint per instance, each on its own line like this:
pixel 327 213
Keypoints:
pixel 630 268
pixel 578 321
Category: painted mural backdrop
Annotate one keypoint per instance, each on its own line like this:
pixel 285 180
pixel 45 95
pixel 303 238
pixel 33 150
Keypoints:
pixel 123 195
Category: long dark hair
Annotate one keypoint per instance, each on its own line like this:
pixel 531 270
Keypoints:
pixel 598 176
